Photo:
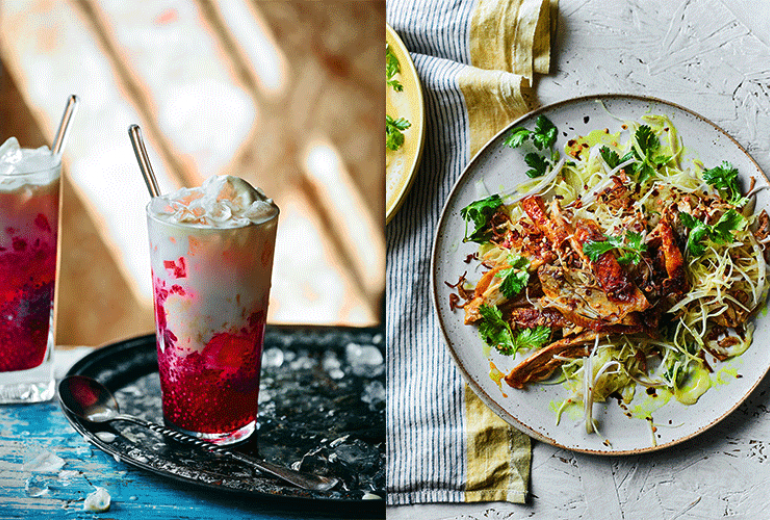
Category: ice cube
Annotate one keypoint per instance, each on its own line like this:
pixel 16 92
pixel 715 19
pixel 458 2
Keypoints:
pixel 374 395
pixel 97 501
pixel 220 212
pixel 272 357
pixel 10 151
pixel 364 360
pixel 67 474
pixel 44 462
pixel 357 455
pixel 36 486
pixel 332 365
pixel 36 162
pixel 303 362
pixel 7 169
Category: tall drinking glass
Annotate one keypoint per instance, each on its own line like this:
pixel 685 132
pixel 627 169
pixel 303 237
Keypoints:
pixel 211 250
pixel 29 223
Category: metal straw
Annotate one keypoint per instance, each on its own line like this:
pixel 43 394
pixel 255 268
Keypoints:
pixel 64 127
pixel 135 133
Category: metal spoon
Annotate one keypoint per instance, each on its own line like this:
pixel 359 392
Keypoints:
pixel 93 402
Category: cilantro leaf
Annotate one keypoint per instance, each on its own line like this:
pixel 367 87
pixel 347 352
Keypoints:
pixel 392 67
pixel 394 138
pixel 479 212
pixel 731 220
pixel 537 163
pixel 494 330
pixel 514 281
pixel 630 245
pixel 660 160
pixel 644 172
pixel 698 231
pixel 544 135
pixel 517 137
pixel 594 249
pixel 518 261
pixel 515 278
pixel 647 162
pixel 646 140
pixel 725 177
pixel 532 338
pixel 610 157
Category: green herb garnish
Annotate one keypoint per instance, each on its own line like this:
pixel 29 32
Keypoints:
pixel 392 67
pixel 515 278
pixel 648 162
pixel 543 136
pixel 532 338
pixel 537 163
pixel 394 138
pixel 497 333
pixel 494 330
pixel 479 212
pixel 630 245
pixel 720 232
pixel 725 178
pixel 611 157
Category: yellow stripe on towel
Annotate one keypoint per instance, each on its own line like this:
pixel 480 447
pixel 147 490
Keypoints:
pixel 493 99
pixel 504 34
pixel 499 456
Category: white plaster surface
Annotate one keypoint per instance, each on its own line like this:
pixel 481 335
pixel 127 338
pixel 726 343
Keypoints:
pixel 713 57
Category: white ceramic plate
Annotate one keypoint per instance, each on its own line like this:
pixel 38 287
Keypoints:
pixel 401 165
pixel 530 410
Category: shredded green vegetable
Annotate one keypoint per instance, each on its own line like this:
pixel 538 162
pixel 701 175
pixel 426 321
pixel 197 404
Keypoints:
pixel 724 262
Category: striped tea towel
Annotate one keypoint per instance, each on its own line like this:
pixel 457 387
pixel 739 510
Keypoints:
pixel 475 59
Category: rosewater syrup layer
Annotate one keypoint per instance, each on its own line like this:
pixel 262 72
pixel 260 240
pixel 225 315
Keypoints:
pixel 214 390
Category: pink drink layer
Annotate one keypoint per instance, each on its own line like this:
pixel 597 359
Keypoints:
pixel 28 233
pixel 211 287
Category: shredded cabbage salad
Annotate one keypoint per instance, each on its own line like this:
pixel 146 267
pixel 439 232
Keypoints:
pixel 619 267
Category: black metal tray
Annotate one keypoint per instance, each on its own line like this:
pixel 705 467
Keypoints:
pixel 321 409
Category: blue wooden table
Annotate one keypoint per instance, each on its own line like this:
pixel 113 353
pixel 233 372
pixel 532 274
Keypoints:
pixel 47 470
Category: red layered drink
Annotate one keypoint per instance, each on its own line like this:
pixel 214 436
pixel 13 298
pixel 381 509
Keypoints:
pixel 29 216
pixel 212 256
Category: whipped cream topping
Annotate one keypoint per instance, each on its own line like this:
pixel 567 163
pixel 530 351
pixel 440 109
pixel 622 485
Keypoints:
pixel 222 201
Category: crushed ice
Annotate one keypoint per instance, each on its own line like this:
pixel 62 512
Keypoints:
pixel 15 160
pixel 36 486
pixel 97 501
pixel 365 360
pixel 374 395
pixel 272 358
pixel 43 461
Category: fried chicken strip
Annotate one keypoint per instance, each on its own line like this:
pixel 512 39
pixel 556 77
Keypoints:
pixel 541 364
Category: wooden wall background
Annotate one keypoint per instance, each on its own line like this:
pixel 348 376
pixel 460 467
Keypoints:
pixel 287 94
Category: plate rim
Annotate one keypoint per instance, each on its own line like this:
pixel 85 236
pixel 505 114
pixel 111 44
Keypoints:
pixel 468 379
pixel 397 200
